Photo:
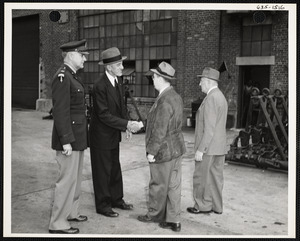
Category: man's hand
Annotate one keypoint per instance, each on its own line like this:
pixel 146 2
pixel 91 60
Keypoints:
pixel 67 149
pixel 134 126
pixel 150 158
pixel 198 156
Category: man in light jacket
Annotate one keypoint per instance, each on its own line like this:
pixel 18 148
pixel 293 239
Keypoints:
pixel 210 146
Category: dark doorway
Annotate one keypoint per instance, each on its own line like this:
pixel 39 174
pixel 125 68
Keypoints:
pixel 25 61
pixel 251 76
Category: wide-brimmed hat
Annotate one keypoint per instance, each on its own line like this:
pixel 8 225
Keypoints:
pixel 75 46
pixel 210 73
pixel 165 70
pixel 111 56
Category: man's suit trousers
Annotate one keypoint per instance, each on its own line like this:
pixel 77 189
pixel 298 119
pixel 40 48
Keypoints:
pixel 208 183
pixel 165 191
pixel 107 178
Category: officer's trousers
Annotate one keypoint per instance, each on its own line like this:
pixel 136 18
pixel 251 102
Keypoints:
pixel 67 189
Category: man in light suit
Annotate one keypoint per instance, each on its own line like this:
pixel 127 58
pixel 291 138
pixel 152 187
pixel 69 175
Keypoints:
pixel 109 118
pixel 210 146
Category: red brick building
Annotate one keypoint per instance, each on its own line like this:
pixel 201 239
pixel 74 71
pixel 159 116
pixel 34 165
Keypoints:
pixel 254 46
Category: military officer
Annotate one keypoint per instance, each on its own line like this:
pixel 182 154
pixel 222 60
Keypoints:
pixel 69 137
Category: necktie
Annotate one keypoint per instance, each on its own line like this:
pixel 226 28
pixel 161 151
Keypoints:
pixel 116 85
pixel 117 90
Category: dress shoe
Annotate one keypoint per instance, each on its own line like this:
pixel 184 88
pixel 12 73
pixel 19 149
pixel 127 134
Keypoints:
pixel 109 213
pixel 123 206
pixel 65 231
pixel 196 211
pixel 176 227
pixel 80 218
pixel 145 219
pixel 217 212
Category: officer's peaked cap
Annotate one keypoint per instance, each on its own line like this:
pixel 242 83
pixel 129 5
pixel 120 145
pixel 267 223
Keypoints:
pixel 75 46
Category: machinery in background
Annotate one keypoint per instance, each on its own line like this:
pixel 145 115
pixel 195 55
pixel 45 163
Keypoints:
pixel 264 142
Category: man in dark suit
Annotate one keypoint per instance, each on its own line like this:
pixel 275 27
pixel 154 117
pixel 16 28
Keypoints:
pixel 109 118
pixel 69 137
pixel 210 146
pixel 165 147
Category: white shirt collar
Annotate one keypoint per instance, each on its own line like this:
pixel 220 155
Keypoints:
pixel 214 87
pixel 162 90
pixel 111 78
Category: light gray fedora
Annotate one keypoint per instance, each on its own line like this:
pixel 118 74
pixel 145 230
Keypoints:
pixel 111 56
pixel 210 73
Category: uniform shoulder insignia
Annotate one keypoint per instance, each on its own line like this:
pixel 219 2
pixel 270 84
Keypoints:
pixel 61 74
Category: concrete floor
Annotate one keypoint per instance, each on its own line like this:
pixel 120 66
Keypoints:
pixel 255 200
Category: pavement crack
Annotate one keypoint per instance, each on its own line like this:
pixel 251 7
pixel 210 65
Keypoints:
pixel 29 193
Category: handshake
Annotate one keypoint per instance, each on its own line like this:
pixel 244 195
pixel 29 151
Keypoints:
pixel 134 126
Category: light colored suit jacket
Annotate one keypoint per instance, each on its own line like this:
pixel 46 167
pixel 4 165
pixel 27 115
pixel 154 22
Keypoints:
pixel 210 131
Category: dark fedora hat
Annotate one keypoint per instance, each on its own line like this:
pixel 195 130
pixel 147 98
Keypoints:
pixel 111 56
pixel 210 73
pixel 165 70
pixel 75 46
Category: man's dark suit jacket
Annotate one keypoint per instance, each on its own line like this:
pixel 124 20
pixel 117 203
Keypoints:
pixel 109 115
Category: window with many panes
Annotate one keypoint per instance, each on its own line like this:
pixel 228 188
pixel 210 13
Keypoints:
pixel 257 38
pixel 144 36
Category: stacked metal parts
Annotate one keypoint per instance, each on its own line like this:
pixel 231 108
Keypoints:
pixel 264 142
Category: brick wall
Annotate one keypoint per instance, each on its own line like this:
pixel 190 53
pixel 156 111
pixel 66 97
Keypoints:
pixel 197 47
pixel 231 32
pixel 279 71
pixel 52 35
pixel 229 50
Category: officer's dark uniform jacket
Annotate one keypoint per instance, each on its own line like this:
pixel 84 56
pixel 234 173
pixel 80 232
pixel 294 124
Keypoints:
pixel 69 111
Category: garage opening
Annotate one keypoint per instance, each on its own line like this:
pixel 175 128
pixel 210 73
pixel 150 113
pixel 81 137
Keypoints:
pixel 254 76
pixel 25 61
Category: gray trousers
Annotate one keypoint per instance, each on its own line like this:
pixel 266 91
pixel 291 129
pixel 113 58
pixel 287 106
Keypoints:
pixel 165 191
pixel 67 189
pixel 208 183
